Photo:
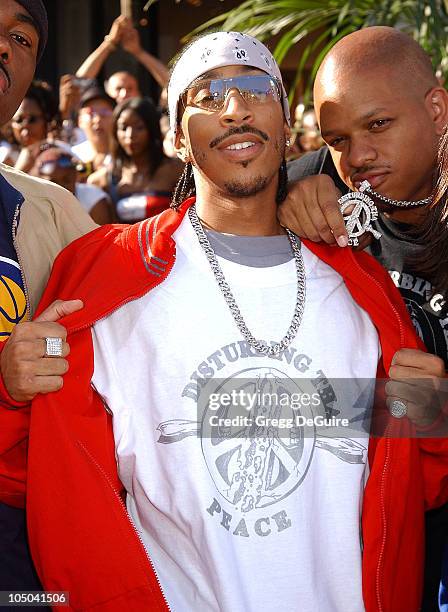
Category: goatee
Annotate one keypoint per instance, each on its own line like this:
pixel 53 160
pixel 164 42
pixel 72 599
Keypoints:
pixel 246 189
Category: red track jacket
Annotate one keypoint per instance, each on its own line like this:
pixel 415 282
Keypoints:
pixel 81 536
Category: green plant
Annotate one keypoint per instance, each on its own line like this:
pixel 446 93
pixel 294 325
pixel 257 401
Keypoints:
pixel 321 24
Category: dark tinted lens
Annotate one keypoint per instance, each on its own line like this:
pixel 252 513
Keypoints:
pixel 49 167
pixel 65 162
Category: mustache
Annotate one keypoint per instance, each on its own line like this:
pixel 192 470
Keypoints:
pixel 244 129
pixel 367 169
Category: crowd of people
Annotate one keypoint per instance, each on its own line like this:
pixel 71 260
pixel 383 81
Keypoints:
pixel 106 139
pixel 229 265
pixel 81 124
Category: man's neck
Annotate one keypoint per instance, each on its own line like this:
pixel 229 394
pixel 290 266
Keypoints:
pixel 249 216
pixel 410 216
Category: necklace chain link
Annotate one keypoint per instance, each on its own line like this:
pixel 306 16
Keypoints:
pixel 365 187
pixel 259 345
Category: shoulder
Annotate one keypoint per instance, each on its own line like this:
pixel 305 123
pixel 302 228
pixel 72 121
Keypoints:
pixel 315 162
pixel 30 185
pixel 89 194
pixel 310 163
pixel 113 263
pixel 86 264
pixel 88 252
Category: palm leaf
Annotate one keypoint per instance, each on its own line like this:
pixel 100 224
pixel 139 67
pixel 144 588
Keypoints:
pixel 322 23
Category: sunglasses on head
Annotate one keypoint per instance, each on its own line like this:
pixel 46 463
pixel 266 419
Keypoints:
pixel 210 94
pixel 28 119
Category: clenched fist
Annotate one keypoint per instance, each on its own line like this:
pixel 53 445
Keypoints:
pixel 25 368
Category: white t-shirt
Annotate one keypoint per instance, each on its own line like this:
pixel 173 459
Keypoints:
pixel 231 522
pixel 89 195
pixel 86 153
pixel 5 150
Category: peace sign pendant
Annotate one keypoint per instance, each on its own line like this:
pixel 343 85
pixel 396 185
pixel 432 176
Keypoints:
pixel 359 221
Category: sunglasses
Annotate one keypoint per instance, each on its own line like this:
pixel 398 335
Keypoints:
pixel 102 112
pixel 28 119
pixel 63 163
pixel 210 94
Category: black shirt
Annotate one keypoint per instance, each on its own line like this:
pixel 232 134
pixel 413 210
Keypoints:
pixel 396 251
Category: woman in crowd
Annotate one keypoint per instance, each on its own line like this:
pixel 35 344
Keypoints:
pixel 140 178
pixel 35 121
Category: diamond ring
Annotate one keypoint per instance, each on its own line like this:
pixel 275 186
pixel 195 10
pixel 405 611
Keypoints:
pixel 398 409
pixel 53 347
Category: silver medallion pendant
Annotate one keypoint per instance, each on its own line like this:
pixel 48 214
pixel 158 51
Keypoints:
pixel 359 221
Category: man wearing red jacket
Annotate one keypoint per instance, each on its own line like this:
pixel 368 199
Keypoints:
pixel 183 331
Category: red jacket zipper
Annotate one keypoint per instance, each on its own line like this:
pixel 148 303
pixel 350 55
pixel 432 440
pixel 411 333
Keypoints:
pixel 387 458
pixel 92 459
pixel 117 495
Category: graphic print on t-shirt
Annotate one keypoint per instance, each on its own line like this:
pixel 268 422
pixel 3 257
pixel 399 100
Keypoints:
pixel 12 297
pixel 259 460
pixel 427 311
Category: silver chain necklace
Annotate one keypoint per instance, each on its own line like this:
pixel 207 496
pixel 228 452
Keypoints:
pixel 258 345
pixel 366 188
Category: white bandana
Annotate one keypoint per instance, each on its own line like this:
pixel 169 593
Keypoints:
pixel 214 51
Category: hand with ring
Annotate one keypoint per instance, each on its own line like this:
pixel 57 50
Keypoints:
pixel 34 357
pixel 415 386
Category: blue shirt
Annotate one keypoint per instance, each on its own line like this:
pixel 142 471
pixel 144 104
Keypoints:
pixel 12 292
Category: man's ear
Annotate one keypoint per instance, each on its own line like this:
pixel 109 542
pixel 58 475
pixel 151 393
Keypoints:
pixel 180 146
pixel 436 102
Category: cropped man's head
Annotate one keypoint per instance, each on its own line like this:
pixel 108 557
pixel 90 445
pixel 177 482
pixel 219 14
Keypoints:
pixel 57 165
pixel 229 113
pixel 381 112
pixel 23 36
pixel 95 117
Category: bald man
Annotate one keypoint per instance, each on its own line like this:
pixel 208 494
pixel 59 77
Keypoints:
pixel 122 85
pixel 381 112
